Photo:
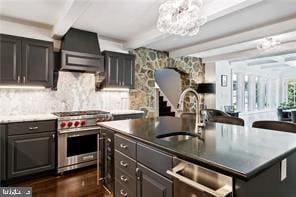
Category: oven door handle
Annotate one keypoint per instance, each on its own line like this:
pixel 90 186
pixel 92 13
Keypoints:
pixel 221 192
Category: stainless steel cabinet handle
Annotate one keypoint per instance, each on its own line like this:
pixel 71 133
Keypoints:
pixel 123 146
pixel 24 79
pixel 123 178
pixel 18 79
pixel 122 163
pixel 53 136
pixel 222 192
pixel 108 140
pixel 123 193
pixel 33 128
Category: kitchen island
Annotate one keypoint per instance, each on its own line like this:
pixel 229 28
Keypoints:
pixel 260 162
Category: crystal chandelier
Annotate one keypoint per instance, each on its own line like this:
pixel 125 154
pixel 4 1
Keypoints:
pixel 181 17
pixel 268 43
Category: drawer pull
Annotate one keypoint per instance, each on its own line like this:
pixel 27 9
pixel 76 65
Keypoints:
pixel 33 128
pixel 123 178
pixel 123 146
pixel 124 164
pixel 123 193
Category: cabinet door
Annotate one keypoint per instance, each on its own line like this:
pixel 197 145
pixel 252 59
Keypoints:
pixel 2 152
pixel 10 59
pixel 113 72
pixel 151 183
pixel 37 62
pixel 31 153
pixel 128 64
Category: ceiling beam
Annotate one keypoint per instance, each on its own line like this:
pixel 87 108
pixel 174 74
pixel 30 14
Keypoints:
pixel 251 35
pixel 154 35
pixel 73 10
pixel 242 55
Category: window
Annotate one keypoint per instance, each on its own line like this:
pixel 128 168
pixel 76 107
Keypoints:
pixel 246 93
pixel 292 93
pixel 234 91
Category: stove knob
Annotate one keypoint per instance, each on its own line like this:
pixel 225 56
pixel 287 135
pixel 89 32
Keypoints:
pixel 76 124
pixel 83 122
pixel 70 124
pixel 62 125
pixel 98 120
pixel 110 119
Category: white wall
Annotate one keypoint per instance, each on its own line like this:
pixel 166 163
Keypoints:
pixel 169 81
pixel 17 29
pixel 210 77
pixel 223 94
pixel 21 30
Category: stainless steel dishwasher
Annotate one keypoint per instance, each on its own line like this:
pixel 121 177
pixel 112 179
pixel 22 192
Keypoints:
pixel 191 180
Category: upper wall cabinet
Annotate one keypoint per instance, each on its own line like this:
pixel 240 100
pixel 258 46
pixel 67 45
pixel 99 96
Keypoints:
pixel 25 61
pixel 10 59
pixel 120 69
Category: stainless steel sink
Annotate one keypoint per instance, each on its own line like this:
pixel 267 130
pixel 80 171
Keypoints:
pixel 177 136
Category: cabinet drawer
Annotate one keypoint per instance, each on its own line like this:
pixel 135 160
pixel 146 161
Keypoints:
pixel 122 191
pixel 125 146
pixel 157 161
pixel 125 163
pixel 31 127
pixel 127 180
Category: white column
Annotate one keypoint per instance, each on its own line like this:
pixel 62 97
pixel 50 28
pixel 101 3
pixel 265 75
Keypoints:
pixel 240 92
pixel 252 93
pixel 261 93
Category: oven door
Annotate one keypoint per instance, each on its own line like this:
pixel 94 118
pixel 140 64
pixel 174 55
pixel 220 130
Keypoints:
pixel 77 148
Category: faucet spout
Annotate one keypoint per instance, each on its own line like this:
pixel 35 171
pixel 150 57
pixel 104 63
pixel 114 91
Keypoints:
pixel 198 123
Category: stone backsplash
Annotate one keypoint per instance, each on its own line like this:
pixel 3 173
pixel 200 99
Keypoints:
pixel 75 91
pixel 147 61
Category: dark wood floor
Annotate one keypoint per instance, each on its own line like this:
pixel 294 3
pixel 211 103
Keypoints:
pixel 79 183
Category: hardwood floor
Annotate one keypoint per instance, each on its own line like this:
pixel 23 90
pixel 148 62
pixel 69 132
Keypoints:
pixel 74 184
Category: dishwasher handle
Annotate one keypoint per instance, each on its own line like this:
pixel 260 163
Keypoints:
pixel 222 192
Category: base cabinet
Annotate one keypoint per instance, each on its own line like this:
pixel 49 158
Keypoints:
pixel 134 176
pixel 31 153
pixel 151 183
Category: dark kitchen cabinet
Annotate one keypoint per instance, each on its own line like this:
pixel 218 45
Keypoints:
pixel 150 183
pixel 30 153
pixel 25 61
pixel 120 69
pixel 37 61
pixel 135 175
pixel 2 153
pixel 10 59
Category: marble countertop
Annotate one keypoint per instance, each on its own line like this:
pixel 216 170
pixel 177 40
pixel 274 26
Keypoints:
pixel 125 112
pixel 240 151
pixel 24 118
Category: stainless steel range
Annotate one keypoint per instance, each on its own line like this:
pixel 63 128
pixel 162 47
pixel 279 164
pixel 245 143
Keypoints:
pixel 77 138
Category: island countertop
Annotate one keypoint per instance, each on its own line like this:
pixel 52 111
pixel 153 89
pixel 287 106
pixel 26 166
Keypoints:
pixel 242 152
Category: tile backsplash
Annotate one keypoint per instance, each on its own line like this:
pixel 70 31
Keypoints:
pixel 76 91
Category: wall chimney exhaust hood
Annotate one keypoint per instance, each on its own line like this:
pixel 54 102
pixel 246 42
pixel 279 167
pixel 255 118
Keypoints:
pixel 81 52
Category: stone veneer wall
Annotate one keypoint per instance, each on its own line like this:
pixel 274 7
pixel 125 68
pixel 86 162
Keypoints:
pixel 147 61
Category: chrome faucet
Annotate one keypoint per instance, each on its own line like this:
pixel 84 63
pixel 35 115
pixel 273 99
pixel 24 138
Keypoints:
pixel 198 123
